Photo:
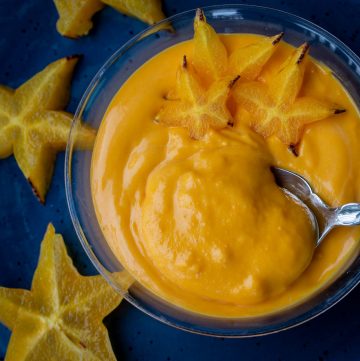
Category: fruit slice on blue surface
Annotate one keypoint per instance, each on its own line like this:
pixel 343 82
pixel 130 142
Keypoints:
pixel 34 127
pixel 60 318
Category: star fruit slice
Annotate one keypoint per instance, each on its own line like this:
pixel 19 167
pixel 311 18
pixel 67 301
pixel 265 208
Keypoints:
pixel 276 108
pixel 33 127
pixel 75 16
pixel 197 108
pixel 249 60
pixel 60 318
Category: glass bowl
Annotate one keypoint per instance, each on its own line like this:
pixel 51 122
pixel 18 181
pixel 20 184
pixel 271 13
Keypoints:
pixel 225 19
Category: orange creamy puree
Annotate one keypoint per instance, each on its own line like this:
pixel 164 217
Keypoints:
pixel 202 223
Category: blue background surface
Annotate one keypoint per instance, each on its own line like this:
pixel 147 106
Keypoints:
pixel 28 42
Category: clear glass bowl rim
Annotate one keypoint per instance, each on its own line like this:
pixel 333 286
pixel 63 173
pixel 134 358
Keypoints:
pixel 293 322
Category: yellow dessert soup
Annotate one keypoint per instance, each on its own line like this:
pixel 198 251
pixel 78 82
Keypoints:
pixel 202 223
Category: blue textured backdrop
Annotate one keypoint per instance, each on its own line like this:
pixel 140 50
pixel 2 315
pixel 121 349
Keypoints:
pixel 28 42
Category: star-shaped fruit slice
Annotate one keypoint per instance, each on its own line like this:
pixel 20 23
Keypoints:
pixel 197 108
pixel 33 128
pixel 276 108
pixel 60 318
pixel 210 57
pixel 75 15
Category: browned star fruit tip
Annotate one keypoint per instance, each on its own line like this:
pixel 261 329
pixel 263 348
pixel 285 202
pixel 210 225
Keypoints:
pixel 294 149
pixel 339 111
pixel 75 56
pixel 184 63
pixel 304 50
pixel 278 38
pixel 233 81
pixel 200 14
pixel 36 192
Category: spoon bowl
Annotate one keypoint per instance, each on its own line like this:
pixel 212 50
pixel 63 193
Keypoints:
pixel 324 218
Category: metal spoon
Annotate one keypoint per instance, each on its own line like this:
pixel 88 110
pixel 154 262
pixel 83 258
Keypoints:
pixel 324 217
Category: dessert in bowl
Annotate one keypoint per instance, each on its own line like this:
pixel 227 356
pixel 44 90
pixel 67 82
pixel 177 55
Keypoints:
pixel 178 189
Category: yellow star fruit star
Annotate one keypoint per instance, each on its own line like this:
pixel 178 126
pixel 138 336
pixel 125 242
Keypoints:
pixel 203 90
pixel 276 108
pixel 197 108
pixel 75 15
pixel 60 318
pixel 33 128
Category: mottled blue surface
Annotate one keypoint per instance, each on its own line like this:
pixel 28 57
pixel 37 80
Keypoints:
pixel 28 42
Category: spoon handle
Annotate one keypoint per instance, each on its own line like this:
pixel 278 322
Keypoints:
pixel 348 215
